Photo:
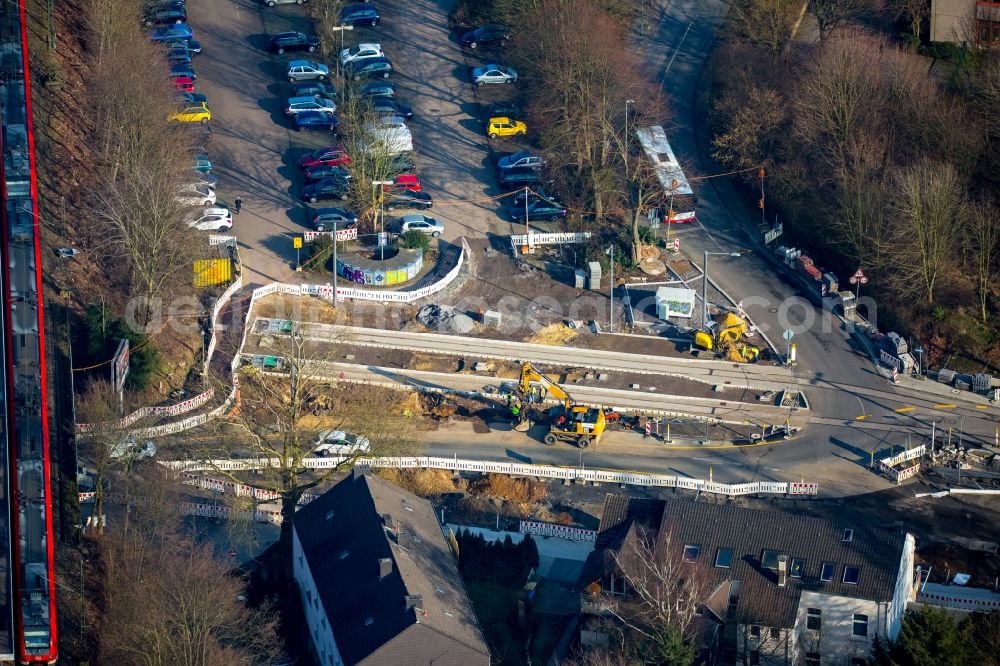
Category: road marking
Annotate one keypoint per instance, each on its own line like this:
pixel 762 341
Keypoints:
pixel 861 418
pixel 903 410
pixel 945 405
pixel 982 406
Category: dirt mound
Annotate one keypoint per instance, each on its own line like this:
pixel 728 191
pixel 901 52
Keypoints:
pixel 422 482
pixel 500 486
pixel 553 334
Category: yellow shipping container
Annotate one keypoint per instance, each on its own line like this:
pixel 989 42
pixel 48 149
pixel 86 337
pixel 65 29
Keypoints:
pixel 212 271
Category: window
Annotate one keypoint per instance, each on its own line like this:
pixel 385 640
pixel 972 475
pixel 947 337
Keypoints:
pixel 848 535
pixel 755 630
pixel 724 558
pixel 860 625
pixel 852 575
pixel 775 633
pixel 826 574
pixel 769 559
pixel 691 553
pixel 814 619
pixel 798 566
pixel 812 659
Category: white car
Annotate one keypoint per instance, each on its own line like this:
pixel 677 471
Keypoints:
pixel 129 448
pixel 304 70
pixel 212 219
pixel 361 52
pixel 298 104
pixel 421 223
pixel 340 443
pixel 197 194
pixel 493 74
pixel 389 133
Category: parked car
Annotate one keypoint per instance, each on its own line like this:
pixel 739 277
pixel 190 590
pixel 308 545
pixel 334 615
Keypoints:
pixel 391 107
pixel 359 14
pixel 166 15
pixel 183 83
pixel 315 89
pixel 377 89
pixel 192 113
pixel 400 164
pixel 272 3
pixel 521 158
pixel 539 210
pixel 533 195
pixel 328 188
pixel 331 155
pixel 361 52
pixel 215 218
pixel 407 199
pixel 487 34
pixel 406 181
pixel 422 223
pixel 316 120
pixel 493 74
pixel 201 163
pixel 172 33
pixel 196 194
pixel 326 218
pixel 323 171
pixel 303 70
pixel 504 126
pixel 511 179
pixel 206 179
pixel 296 105
pixel 130 448
pixel 390 132
pixel 340 443
pixel 194 98
pixel 192 46
pixel 183 70
pixel 508 109
pixel 292 41
pixel 179 57
pixel 369 68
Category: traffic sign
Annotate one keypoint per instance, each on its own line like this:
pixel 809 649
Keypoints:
pixel 788 335
pixel 859 277
pixel 297 242
pixel 677 245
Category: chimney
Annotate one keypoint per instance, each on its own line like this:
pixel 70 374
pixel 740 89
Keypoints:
pixel 414 601
pixel 782 570
pixel 384 567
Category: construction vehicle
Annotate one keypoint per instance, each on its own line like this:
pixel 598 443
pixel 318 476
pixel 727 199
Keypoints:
pixel 726 337
pixel 568 422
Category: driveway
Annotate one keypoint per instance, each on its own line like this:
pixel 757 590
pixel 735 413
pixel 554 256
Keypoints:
pixel 255 152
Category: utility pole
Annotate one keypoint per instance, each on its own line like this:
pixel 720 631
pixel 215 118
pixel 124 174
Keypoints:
pixel 334 264
pixel 611 289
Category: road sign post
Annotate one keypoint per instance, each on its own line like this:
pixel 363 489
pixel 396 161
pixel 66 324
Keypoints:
pixel 859 278
pixel 119 371
pixel 297 244
pixel 788 335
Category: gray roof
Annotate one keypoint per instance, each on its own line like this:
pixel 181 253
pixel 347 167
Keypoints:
pixel 876 552
pixel 345 532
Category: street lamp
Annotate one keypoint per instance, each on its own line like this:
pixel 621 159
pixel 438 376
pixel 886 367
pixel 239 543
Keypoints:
pixel 379 211
pixel 341 29
pixel 335 264
pixel 704 286
pixel 627 102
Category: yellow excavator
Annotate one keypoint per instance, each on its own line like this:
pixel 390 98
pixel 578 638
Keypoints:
pixel 726 337
pixel 568 422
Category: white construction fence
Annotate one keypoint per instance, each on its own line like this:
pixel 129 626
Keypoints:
pixel 891 466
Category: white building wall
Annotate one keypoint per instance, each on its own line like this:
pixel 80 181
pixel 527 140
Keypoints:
pixel 320 631
pixel 905 590
pixel 780 649
pixel 835 641
pixel 952 20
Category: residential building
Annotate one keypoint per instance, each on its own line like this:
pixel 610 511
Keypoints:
pixel 783 588
pixel 972 22
pixel 378 581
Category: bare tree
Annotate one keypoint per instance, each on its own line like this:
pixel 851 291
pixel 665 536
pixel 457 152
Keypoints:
pixel 930 202
pixel 765 23
pixel 915 11
pixel 831 13
pixel 753 123
pixel 984 247
pixel 861 222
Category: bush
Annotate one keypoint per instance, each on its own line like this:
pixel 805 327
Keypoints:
pixel 104 332
pixel 413 240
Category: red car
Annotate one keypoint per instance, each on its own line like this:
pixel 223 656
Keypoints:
pixel 407 181
pixel 183 83
pixel 326 156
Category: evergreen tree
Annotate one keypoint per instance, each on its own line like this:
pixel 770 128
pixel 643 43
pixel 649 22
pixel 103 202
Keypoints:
pixel 928 637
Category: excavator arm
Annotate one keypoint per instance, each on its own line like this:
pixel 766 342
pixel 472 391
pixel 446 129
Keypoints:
pixel 529 374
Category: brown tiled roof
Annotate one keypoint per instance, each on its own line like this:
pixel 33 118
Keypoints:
pixel 344 535
pixel 876 552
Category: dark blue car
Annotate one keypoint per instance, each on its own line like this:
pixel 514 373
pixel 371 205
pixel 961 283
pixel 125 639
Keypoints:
pixel 181 69
pixel 359 14
pixel 316 120
pixel 172 33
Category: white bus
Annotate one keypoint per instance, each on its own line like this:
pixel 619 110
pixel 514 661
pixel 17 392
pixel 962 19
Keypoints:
pixel 677 192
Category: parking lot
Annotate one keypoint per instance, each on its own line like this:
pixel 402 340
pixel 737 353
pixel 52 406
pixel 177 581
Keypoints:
pixel 255 151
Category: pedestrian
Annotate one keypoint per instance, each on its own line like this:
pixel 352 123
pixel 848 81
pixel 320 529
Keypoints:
pixel 238 204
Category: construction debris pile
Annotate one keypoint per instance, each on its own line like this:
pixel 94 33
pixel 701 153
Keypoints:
pixel 444 318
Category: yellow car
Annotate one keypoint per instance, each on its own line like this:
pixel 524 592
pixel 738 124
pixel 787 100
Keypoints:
pixel 504 126
pixel 196 113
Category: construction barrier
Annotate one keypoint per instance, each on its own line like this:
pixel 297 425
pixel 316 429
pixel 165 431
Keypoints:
pixel 167 410
pixel 238 489
pixel 889 466
pixel 517 469
pixel 517 241
pixel 560 531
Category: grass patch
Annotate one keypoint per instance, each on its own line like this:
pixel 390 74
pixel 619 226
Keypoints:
pixel 496 608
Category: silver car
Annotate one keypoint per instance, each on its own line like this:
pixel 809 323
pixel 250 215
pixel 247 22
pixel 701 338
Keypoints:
pixel 298 104
pixel 421 223
pixel 493 74
pixel 304 70
pixel 272 3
